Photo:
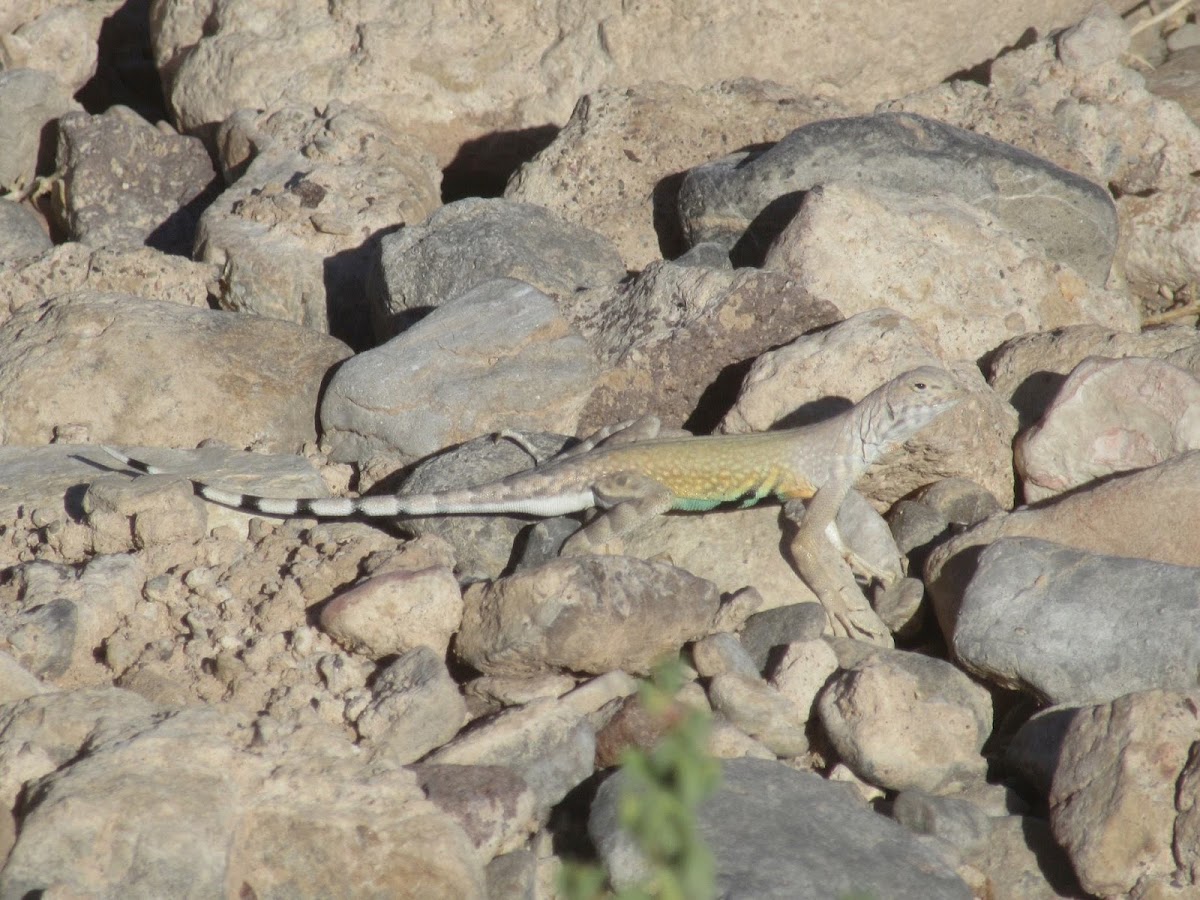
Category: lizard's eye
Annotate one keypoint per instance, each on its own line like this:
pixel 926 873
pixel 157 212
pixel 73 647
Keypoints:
pixel 920 385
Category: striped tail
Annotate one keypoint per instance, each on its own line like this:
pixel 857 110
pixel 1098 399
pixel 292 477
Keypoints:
pixel 320 507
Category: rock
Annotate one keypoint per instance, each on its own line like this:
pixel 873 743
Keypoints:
pixel 1072 627
pixel 1177 79
pixel 633 726
pixel 722 652
pixel 680 338
pixel 803 670
pixel 22 234
pixel 1099 120
pixel 393 613
pixel 61 39
pixel 1149 515
pixel 515 73
pixel 1070 219
pixel 415 707
pixel 903 721
pixel 585 614
pixel 493 804
pixel 126 182
pixel 616 135
pixel 1121 803
pixel 1022 861
pixel 760 711
pixel 124 515
pixel 29 101
pixel 779 833
pixel 142 271
pixel 63 616
pixel 809 380
pixel 295 233
pixel 425 390
pixel 1037 746
pixel 548 744
pixel 483 545
pixel 17 682
pixel 1029 370
pixel 1110 416
pixel 770 629
pixel 215 374
pixel 513 876
pixel 468 242
pixel 973 284
pixel 262 474
pixel 957 821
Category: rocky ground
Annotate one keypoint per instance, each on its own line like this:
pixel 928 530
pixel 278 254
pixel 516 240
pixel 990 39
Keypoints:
pixel 302 249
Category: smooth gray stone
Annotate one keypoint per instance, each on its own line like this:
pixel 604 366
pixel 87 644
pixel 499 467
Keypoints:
pixel 782 625
pixel 1075 627
pixel 780 833
pixel 744 200
pixel 21 235
pixel 465 243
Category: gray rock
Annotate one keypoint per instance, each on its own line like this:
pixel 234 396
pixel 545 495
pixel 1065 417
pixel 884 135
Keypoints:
pixel 493 804
pixel 764 631
pixel 465 243
pixel 483 545
pixel 746 199
pixel 500 356
pixel 512 876
pixel 781 833
pixel 722 652
pixel 760 711
pixel 546 742
pixel 1110 416
pixel 1072 627
pixel 1035 749
pixel 585 614
pixel 1153 514
pixel 915 524
pixel 415 707
pixel 902 720
pixel 21 233
pixel 127 182
pixel 1178 79
pixel 29 100
pixel 959 822
pixel 242 379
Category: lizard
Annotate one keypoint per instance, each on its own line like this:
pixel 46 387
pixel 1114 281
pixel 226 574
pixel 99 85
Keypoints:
pixel 630 474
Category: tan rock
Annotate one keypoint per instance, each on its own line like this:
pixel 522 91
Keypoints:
pixel 1113 804
pixel 393 613
pixel 1109 417
pixel 159 374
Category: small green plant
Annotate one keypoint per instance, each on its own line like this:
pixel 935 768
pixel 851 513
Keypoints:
pixel 662 788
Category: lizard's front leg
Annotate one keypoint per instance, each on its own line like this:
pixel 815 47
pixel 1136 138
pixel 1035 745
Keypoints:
pixel 819 562
pixel 626 499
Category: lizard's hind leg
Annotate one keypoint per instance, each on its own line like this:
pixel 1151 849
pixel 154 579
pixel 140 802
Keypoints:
pixel 626 500
pixel 627 432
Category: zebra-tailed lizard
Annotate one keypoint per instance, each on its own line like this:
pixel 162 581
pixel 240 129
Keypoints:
pixel 630 474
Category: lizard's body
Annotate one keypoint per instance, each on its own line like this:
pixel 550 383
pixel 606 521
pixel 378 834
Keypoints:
pixel 630 474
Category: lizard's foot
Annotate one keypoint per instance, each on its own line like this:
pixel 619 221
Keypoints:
pixel 854 618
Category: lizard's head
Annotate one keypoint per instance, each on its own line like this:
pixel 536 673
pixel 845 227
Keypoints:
pixel 909 402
